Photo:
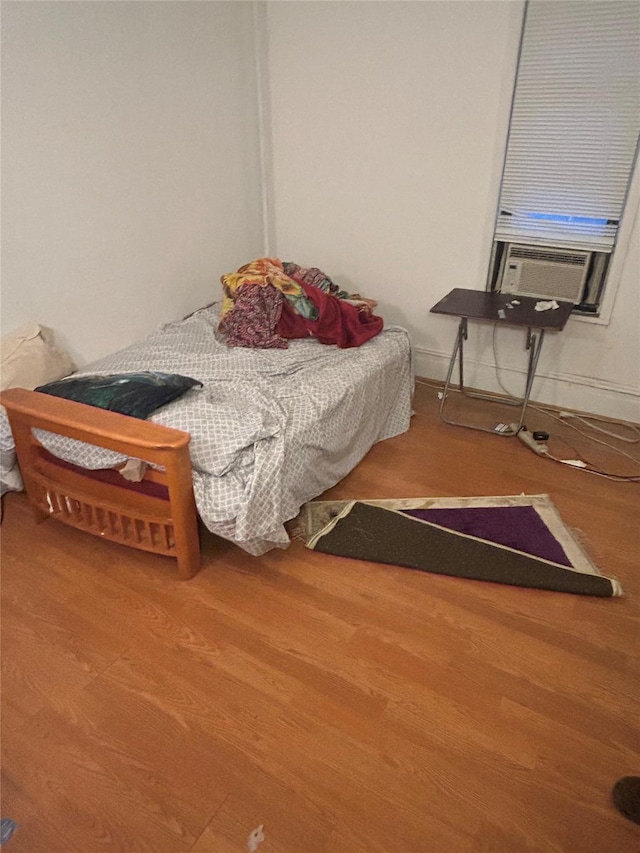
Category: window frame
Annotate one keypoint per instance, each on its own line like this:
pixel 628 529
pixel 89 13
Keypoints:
pixel 625 229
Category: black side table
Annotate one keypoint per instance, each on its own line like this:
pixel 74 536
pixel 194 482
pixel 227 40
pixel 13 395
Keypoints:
pixel 508 310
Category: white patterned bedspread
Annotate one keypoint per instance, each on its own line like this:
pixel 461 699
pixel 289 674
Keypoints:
pixel 270 429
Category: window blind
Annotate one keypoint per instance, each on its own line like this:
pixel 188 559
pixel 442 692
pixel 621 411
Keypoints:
pixel 574 125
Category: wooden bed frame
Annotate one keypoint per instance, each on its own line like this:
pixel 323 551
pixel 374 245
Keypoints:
pixel 163 522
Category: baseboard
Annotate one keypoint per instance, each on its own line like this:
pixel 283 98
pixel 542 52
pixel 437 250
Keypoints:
pixel 572 392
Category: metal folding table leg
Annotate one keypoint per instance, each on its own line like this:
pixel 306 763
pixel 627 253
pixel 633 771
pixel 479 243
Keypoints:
pixel 458 349
pixel 534 345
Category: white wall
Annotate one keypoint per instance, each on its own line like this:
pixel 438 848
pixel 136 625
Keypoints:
pixel 388 125
pixel 131 172
pixel 130 164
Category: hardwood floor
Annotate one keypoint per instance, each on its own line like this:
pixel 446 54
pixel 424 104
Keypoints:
pixel 349 707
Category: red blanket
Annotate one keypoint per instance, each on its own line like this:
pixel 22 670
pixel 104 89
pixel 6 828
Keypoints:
pixel 340 322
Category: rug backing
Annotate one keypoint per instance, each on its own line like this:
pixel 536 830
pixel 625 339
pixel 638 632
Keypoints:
pixel 377 530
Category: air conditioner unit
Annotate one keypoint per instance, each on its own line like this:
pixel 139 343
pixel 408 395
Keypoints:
pixel 545 272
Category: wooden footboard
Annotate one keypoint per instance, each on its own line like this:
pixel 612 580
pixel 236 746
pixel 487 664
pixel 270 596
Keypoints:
pixel 161 519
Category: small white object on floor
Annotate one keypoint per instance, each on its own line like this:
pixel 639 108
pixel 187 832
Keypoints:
pixel 440 395
pixel 255 838
pixel 501 314
pixel 550 305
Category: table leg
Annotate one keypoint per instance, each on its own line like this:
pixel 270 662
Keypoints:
pixel 462 337
pixel 458 348
pixel 533 345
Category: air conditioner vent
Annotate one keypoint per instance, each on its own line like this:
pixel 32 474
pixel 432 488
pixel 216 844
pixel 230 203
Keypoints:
pixel 554 255
pixel 546 273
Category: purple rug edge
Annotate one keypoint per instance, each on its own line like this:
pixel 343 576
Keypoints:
pixel 517 527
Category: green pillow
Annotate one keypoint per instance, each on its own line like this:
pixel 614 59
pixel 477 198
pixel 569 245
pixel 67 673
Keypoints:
pixel 134 394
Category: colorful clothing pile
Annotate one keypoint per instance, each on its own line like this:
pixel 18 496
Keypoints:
pixel 267 302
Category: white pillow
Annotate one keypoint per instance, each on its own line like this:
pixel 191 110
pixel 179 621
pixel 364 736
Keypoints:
pixel 29 357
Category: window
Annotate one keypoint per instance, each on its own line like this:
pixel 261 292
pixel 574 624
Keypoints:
pixel 573 139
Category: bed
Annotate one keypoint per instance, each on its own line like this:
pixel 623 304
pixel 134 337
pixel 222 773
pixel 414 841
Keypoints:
pixel 269 430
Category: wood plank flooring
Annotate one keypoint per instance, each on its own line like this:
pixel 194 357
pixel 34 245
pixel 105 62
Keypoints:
pixel 349 707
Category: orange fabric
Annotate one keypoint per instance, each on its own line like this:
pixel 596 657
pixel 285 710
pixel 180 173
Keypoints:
pixel 262 271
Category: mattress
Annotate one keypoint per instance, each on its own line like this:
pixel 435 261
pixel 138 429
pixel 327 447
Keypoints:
pixel 270 429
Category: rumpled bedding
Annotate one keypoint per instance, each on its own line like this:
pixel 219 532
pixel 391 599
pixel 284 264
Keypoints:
pixel 270 428
pixel 268 302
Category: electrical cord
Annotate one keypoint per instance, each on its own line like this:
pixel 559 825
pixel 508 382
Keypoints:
pixel 572 447
pixel 618 478
pixel 586 435
pixel 565 415
pixel 541 449
pixel 586 418
pixel 590 468
pixel 497 368
pixel 565 420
